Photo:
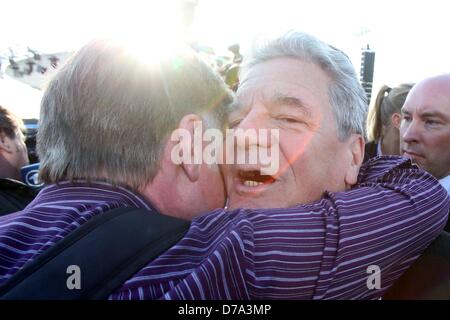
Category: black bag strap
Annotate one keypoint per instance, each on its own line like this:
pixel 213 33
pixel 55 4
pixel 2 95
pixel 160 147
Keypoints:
pixel 108 249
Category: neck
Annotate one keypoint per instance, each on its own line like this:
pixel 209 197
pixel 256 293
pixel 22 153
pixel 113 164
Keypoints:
pixel 390 144
pixel 163 194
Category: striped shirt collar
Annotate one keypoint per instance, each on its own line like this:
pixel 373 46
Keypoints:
pixel 96 191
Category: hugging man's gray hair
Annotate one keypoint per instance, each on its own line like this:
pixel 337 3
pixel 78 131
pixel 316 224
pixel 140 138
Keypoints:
pixel 347 97
pixel 108 113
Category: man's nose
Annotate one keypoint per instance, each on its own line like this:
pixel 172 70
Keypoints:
pixel 411 133
pixel 254 130
pixel 254 119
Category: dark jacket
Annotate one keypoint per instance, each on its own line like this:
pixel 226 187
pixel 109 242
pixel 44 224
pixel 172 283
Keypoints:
pixel 370 150
pixel 15 195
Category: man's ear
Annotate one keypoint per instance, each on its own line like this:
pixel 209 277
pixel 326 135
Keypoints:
pixel 357 155
pixel 396 119
pixel 191 154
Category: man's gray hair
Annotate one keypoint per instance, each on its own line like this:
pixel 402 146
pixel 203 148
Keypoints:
pixel 347 97
pixel 108 114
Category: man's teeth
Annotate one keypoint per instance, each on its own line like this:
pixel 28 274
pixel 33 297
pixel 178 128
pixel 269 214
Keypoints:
pixel 250 183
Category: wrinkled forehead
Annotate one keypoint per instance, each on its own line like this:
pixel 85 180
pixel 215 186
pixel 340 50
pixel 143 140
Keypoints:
pixel 287 77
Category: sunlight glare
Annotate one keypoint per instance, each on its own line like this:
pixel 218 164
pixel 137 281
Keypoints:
pixel 153 31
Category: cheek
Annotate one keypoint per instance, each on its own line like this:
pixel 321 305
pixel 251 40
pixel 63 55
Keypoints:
pixel 24 151
pixel 214 190
pixel 437 147
pixel 228 178
pixel 332 160
pixel 444 140
pixel 294 148
pixel 21 153
pixel 434 143
pixel 226 171
pixel 309 169
pixel 402 128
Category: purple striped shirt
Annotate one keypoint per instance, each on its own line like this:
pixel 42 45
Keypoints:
pixel 320 250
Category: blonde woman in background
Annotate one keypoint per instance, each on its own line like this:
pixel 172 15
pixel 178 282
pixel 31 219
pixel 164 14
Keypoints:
pixel 383 121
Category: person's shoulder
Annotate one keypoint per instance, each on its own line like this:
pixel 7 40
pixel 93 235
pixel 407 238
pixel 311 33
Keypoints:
pixel 400 174
pixel 388 161
pixel 8 183
pixel 15 195
pixel 12 184
pixel 380 166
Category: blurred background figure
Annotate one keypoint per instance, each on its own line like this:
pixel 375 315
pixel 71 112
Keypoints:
pixel 14 194
pixel 383 121
pixel 237 56
pixel 231 73
pixel 13 151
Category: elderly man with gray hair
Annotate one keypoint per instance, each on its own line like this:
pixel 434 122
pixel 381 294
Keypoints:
pixel 320 227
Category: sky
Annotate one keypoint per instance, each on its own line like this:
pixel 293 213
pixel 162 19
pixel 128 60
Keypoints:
pixel 410 38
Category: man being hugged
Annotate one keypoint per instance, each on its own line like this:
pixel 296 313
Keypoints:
pixel 316 226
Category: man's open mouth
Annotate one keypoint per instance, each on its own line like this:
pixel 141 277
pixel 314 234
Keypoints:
pixel 254 178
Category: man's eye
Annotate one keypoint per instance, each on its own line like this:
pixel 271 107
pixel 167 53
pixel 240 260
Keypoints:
pixel 431 122
pixel 288 119
pixel 407 118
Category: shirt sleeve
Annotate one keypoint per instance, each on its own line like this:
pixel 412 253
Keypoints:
pixel 348 245
pixel 352 244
